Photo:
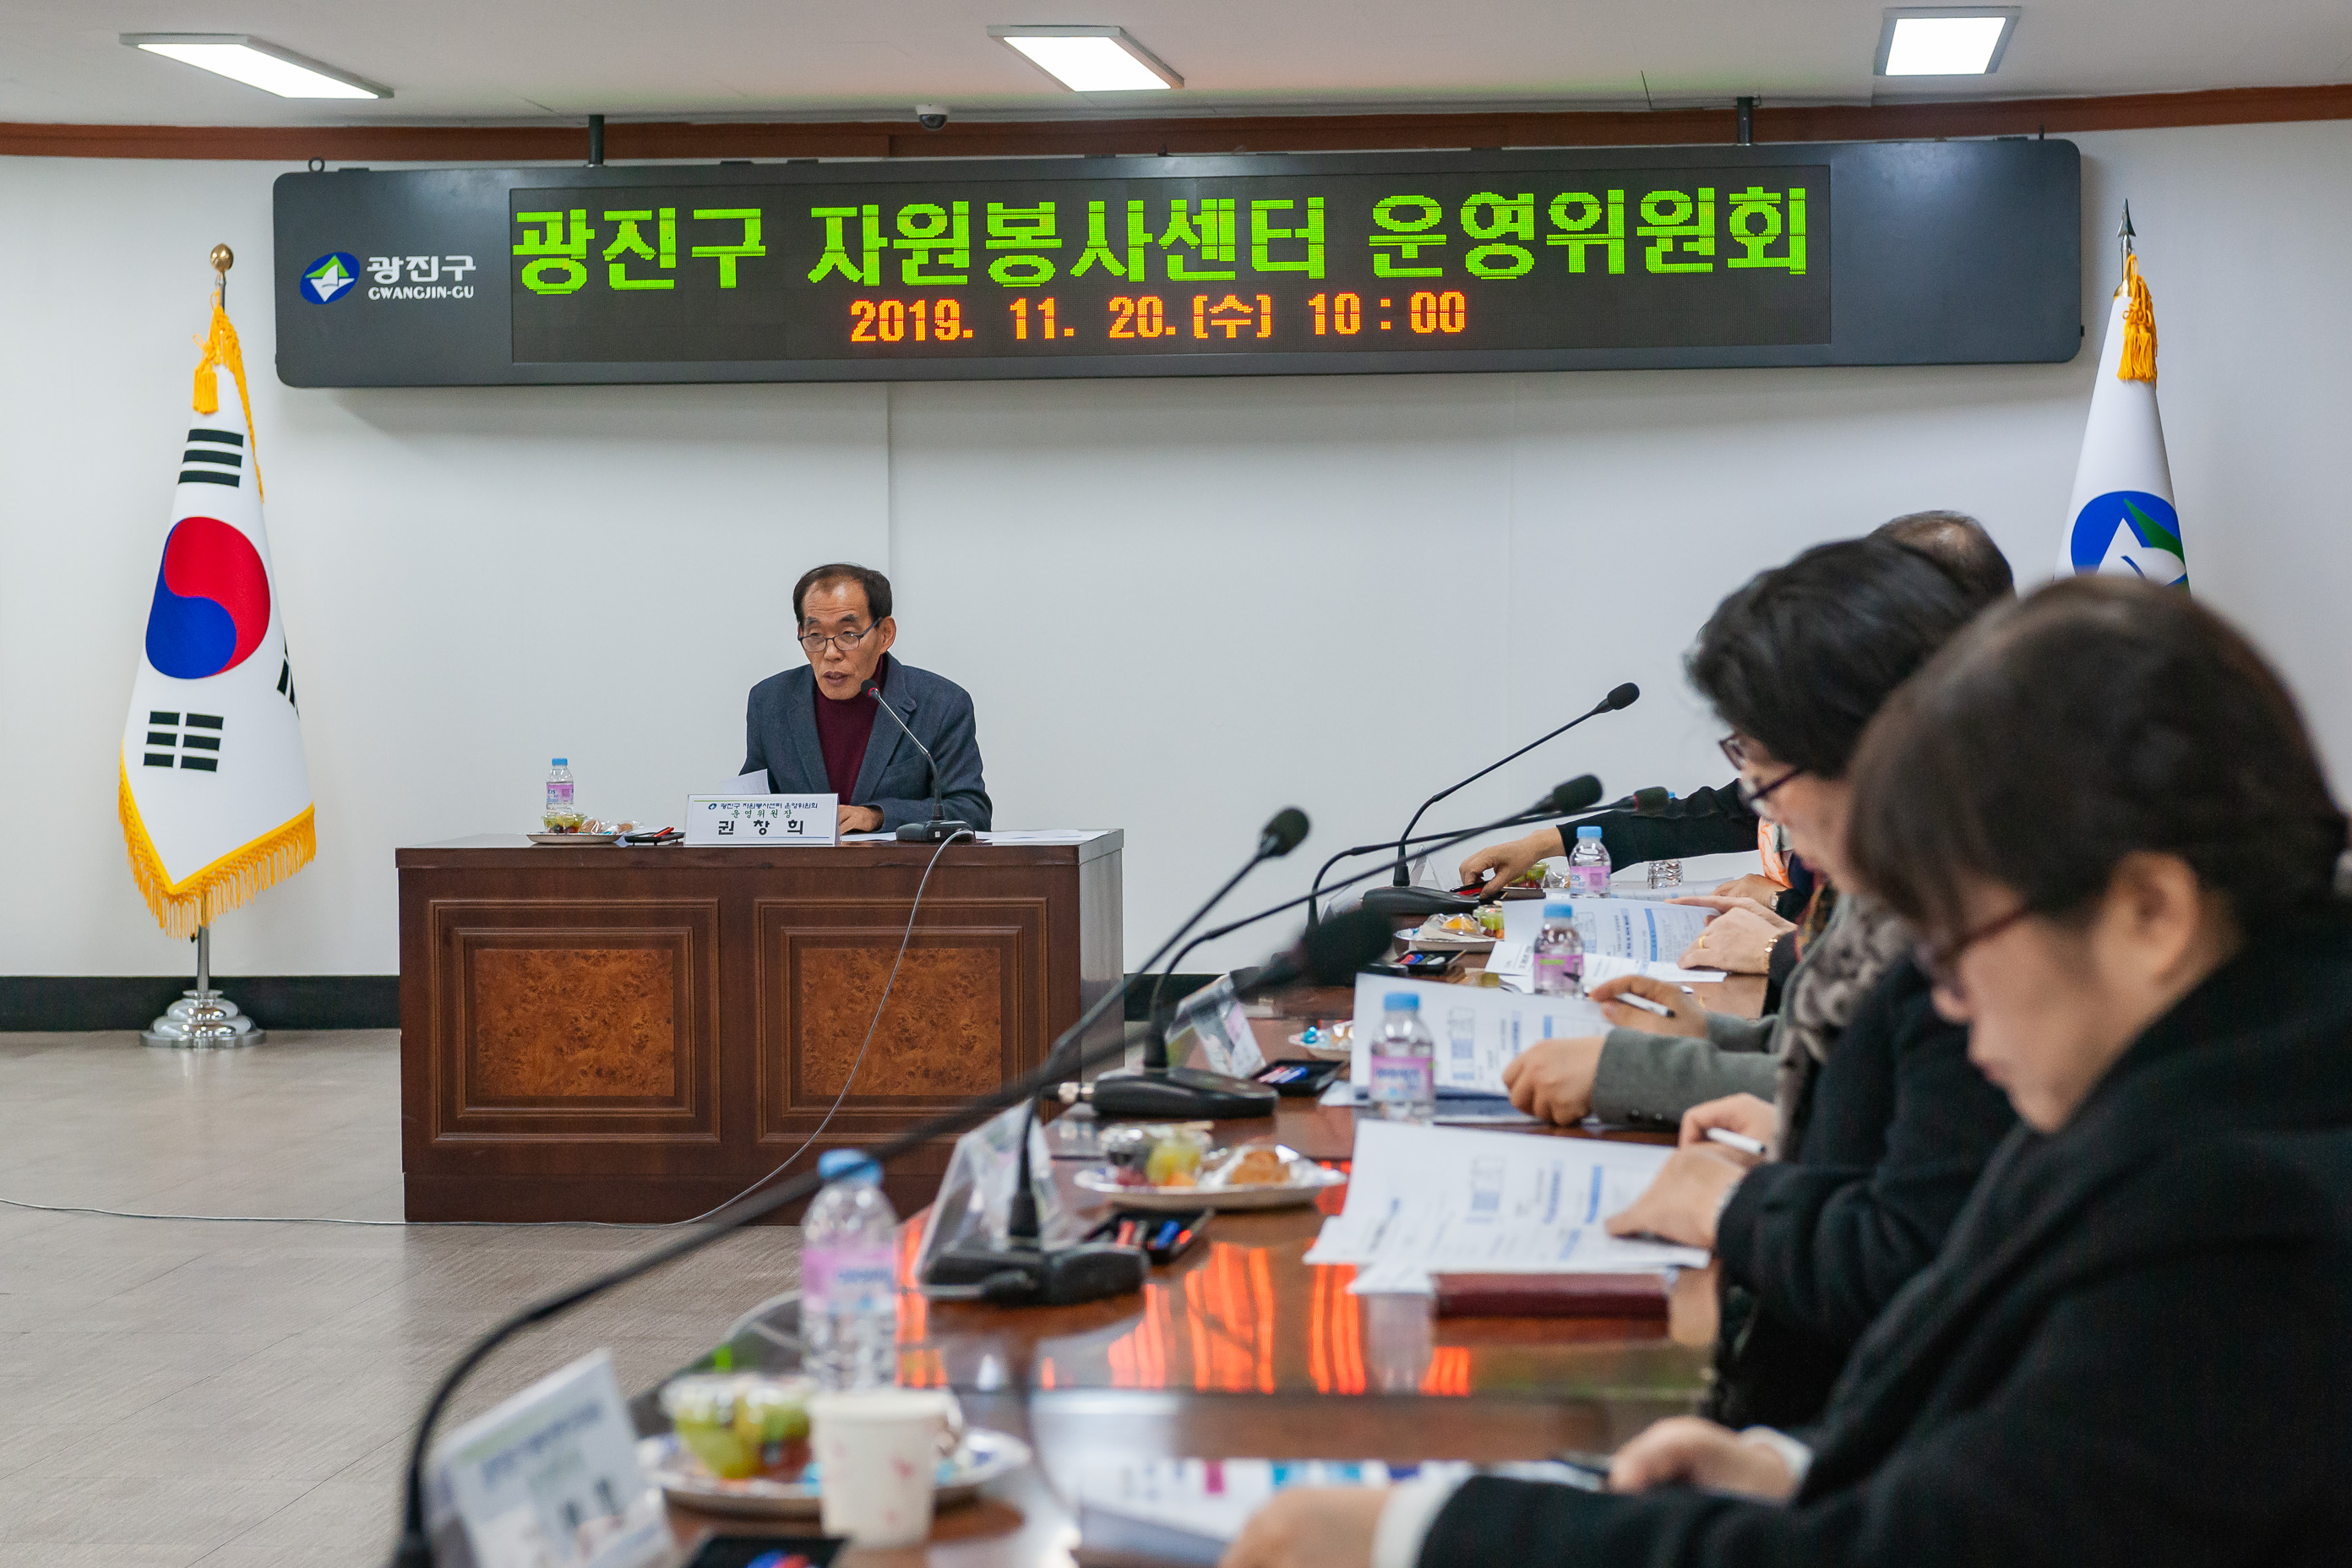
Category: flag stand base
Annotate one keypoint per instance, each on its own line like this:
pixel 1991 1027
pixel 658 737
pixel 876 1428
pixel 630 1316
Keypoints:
pixel 202 1019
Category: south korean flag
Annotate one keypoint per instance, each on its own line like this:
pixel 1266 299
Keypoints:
pixel 215 796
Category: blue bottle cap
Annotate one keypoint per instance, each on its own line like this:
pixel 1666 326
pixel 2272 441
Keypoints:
pixel 1402 1002
pixel 1589 830
pixel 1559 911
pixel 561 763
pixel 848 1164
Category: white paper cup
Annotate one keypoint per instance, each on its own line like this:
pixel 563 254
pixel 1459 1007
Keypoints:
pixel 877 1450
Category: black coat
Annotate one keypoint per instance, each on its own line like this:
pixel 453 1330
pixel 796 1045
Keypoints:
pixel 2133 1349
pixel 1707 822
pixel 1889 1137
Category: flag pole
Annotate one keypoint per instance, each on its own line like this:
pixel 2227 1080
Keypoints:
pixel 203 1019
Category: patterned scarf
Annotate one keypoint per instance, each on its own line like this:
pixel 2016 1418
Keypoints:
pixel 1847 942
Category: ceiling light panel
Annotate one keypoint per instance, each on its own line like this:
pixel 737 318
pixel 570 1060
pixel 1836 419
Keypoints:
pixel 1090 59
pixel 1945 40
pixel 255 64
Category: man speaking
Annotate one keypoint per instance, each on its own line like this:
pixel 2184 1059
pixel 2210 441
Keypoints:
pixel 816 732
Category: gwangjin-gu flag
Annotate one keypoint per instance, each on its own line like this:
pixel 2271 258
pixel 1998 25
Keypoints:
pixel 214 796
pixel 2121 518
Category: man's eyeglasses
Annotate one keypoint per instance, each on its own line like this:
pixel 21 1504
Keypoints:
pixel 817 642
pixel 1939 961
pixel 1752 796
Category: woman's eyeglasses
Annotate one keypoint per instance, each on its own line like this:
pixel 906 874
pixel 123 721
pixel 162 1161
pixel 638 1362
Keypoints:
pixel 1752 796
pixel 1939 961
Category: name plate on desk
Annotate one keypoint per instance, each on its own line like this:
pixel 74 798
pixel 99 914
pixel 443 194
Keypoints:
pixel 548 1479
pixel 719 820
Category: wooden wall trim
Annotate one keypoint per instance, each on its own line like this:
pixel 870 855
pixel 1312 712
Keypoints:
pixel 626 141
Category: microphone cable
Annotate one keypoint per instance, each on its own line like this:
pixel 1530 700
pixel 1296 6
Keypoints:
pixel 905 939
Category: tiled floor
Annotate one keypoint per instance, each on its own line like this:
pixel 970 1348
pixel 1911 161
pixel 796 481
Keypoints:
pixel 175 1393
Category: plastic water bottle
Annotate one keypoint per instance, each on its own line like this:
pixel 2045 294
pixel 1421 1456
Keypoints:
pixel 1588 865
pixel 562 815
pixel 1404 1081
pixel 1560 953
pixel 1667 873
pixel 849 1277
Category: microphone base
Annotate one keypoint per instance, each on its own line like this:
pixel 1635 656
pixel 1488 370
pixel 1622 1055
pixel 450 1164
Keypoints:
pixel 1418 902
pixel 1180 1094
pixel 934 832
pixel 1025 1274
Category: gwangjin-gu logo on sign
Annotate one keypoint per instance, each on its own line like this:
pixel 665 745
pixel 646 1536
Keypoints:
pixel 420 276
pixel 330 278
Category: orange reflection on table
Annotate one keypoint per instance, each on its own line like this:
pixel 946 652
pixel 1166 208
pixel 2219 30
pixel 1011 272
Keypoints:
pixel 1228 1328
pixel 1449 1370
pixel 1139 1358
pixel 1335 1334
pixel 914 1307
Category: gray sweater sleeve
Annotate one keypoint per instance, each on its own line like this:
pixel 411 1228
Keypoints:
pixel 1645 1077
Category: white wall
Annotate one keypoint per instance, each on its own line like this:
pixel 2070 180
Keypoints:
pixel 1178 604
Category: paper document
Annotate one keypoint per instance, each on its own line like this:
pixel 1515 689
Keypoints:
pixel 1477 1028
pixel 1188 1510
pixel 1424 1200
pixel 1601 966
pixel 1701 874
pixel 1482 1111
pixel 1620 928
pixel 1513 963
pixel 753 783
pixel 1045 836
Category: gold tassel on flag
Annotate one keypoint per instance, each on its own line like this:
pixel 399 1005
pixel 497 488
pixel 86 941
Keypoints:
pixel 220 348
pixel 2138 362
pixel 234 880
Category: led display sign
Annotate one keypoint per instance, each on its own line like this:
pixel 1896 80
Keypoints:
pixel 1839 254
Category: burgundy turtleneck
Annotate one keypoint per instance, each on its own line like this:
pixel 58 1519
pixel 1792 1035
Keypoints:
pixel 844 728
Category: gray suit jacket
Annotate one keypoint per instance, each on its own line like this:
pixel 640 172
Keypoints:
pixel 780 736
pixel 1651 1080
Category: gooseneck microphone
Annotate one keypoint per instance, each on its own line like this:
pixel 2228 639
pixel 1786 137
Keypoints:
pixel 1624 695
pixel 1565 800
pixel 1330 953
pixel 1577 794
pixel 414 1547
pixel 941 826
pixel 1285 832
pixel 1129 1096
pixel 1190 1092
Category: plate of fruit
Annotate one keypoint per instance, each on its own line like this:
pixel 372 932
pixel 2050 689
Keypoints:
pixel 1170 1168
pixel 1457 933
pixel 738 1444
pixel 580 830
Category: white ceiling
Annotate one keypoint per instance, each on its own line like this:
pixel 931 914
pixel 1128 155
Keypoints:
pixel 514 61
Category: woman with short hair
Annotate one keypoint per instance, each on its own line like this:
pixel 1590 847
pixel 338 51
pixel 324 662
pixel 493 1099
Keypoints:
pixel 1877 1124
pixel 2103 814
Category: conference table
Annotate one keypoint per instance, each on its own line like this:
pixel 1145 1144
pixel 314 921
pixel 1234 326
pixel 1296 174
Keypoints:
pixel 1242 1349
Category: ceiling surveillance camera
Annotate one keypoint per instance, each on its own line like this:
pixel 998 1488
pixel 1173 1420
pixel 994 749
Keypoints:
pixel 932 116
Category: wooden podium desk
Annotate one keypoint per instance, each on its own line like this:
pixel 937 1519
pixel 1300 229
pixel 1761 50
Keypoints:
pixel 598 1033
